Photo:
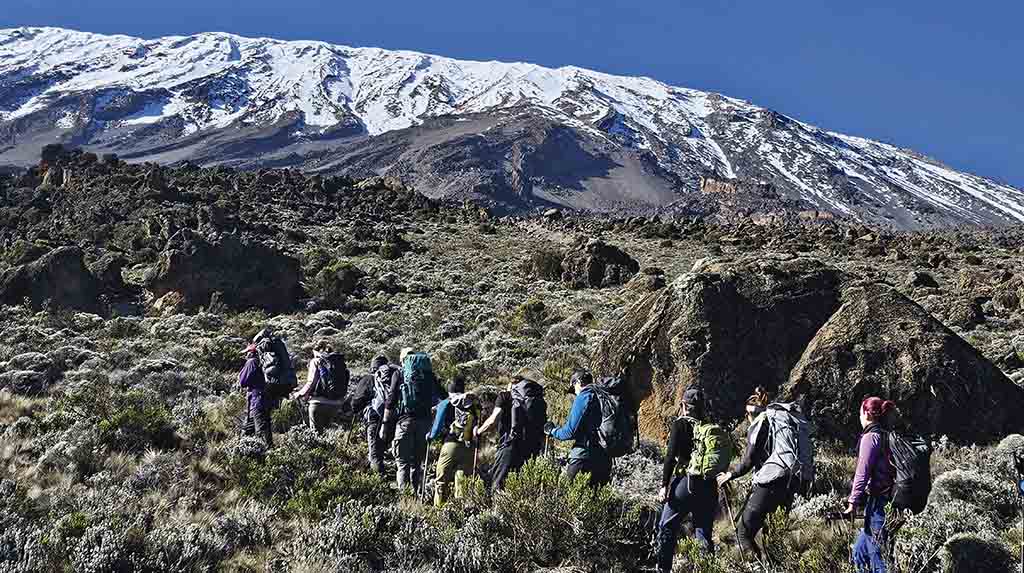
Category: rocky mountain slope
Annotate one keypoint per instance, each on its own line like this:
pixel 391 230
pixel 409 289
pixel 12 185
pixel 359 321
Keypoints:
pixel 127 290
pixel 512 136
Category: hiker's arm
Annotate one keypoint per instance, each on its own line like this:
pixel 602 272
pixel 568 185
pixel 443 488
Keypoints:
pixel 246 374
pixel 572 425
pixel 754 448
pixel 867 457
pixel 394 394
pixel 311 376
pixel 437 429
pixel 668 468
pixel 493 419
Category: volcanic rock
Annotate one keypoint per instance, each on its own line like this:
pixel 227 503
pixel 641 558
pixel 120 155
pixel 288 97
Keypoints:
pixel 59 277
pixel 596 264
pixel 727 327
pixel 246 273
pixel 880 343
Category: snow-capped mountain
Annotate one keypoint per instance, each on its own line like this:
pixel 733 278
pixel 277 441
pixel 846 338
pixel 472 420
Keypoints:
pixel 514 135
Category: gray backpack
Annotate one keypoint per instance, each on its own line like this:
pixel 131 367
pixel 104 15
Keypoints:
pixel 792 455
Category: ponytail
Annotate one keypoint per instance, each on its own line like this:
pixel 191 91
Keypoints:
pixel 882 411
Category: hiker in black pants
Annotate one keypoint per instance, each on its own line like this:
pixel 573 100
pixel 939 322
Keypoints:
pixel 780 451
pixel 705 446
pixel 367 399
pixel 587 455
pixel 519 413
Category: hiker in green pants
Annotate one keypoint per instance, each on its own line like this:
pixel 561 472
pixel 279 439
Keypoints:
pixel 456 418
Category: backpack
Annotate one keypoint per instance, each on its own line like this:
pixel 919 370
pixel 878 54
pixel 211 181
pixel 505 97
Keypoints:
pixel 278 369
pixel 712 450
pixel 911 456
pixel 333 377
pixel 792 452
pixel 381 387
pixel 464 415
pixel 529 412
pixel 618 431
pixel 417 385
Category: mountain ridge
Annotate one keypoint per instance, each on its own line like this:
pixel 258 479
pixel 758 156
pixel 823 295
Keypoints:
pixel 530 136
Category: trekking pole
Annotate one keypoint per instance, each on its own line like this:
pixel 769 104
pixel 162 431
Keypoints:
pixel 423 478
pixel 735 527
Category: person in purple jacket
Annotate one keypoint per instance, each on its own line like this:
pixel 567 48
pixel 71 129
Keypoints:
pixel 872 484
pixel 258 405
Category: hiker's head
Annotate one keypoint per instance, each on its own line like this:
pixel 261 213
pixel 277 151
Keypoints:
pixel 757 402
pixel 694 404
pixel 876 410
pixel 322 346
pixel 457 385
pixel 580 380
pixel 405 352
pixel 377 362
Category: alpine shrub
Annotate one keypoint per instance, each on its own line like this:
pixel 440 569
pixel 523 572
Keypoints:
pixel 970 552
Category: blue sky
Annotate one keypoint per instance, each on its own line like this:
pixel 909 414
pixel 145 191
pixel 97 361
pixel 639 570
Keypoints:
pixel 943 78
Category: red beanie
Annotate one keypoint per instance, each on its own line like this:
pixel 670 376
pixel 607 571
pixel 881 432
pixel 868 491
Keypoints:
pixel 876 408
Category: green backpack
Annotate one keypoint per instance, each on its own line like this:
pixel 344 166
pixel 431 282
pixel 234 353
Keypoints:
pixel 712 450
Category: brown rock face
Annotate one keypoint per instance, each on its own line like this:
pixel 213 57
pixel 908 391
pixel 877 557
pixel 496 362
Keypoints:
pixel 247 274
pixel 880 343
pixel 800 326
pixel 596 264
pixel 59 277
pixel 727 327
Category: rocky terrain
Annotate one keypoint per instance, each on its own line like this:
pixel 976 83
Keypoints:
pixel 515 137
pixel 127 290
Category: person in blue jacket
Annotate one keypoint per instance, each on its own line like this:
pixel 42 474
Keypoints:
pixel 587 455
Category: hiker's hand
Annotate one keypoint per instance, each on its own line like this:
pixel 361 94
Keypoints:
pixel 723 478
pixel 849 509
pixel 663 494
pixel 548 428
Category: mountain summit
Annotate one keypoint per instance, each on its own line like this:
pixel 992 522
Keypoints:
pixel 513 136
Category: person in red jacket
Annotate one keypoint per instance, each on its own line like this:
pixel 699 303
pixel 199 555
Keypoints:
pixel 872 484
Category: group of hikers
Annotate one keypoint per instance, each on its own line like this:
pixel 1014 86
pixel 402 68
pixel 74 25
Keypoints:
pixel 404 407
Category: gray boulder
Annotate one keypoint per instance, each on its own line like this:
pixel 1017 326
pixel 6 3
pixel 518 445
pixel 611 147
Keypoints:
pixel 596 264
pixel 59 277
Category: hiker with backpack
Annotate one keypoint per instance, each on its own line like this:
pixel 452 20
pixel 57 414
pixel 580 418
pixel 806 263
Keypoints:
pixel 268 376
pixel 413 393
pixel 519 414
pixel 872 484
pixel 369 396
pixel 781 454
pixel 706 450
pixel 326 386
pixel 454 424
pixel 587 455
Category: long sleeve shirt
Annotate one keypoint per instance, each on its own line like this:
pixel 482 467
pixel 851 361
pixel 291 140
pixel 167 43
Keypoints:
pixel 680 447
pixel 251 376
pixel 758 447
pixel 875 474
pixel 582 425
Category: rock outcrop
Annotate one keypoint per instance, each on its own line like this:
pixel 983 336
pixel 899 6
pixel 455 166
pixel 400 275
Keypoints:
pixel 59 278
pixel 727 327
pixel 801 327
pixel 245 273
pixel 880 343
pixel 596 264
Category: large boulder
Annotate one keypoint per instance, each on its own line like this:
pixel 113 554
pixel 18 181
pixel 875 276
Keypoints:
pixel 59 277
pixel 880 343
pixel 797 325
pixel 727 327
pixel 245 273
pixel 596 264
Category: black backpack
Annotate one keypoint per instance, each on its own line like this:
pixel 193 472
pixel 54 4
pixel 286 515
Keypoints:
pixel 381 389
pixel 333 377
pixel 278 369
pixel 911 456
pixel 618 433
pixel 529 413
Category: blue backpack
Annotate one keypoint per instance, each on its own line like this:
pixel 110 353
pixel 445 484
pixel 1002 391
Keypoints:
pixel 418 384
